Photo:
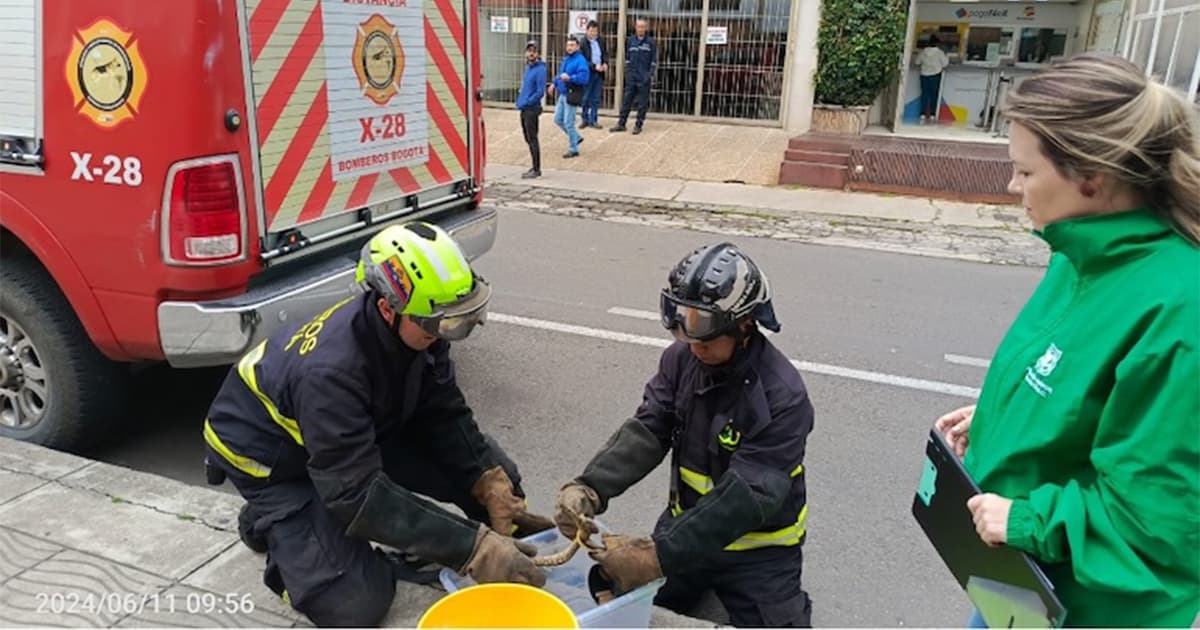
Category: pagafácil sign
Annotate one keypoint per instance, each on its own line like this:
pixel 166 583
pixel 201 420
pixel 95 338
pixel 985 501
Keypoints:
pixel 976 14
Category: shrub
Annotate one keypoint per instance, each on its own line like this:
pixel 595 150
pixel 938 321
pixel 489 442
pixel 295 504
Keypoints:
pixel 859 47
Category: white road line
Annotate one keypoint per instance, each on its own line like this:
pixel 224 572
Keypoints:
pixel 803 366
pixel 965 360
pixel 634 313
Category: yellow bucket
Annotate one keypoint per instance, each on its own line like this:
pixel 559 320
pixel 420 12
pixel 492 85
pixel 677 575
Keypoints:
pixel 499 606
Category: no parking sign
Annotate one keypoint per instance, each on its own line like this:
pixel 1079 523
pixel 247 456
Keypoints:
pixel 580 19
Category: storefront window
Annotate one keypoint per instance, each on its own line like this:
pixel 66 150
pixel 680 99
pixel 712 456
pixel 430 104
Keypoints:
pixel 947 38
pixel 1173 55
pixel 1041 45
pixel 988 43
pixel 1187 55
pixel 1166 37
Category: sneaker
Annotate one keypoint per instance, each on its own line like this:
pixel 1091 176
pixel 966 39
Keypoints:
pixel 246 518
pixel 569 154
pixel 637 130
pixel 531 174
pixel 617 129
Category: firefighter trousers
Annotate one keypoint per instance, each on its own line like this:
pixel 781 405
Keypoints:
pixel 335 579
pixel 758 588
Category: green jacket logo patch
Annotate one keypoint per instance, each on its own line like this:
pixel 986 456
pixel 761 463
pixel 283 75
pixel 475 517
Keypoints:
pixel 1043 368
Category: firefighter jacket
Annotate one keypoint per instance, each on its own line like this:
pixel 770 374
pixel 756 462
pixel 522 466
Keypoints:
pixel 736 435
pixel 315 405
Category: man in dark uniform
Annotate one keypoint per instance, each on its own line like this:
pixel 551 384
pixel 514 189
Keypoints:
pixel 330 432
pixel 641 65
pixel 735 415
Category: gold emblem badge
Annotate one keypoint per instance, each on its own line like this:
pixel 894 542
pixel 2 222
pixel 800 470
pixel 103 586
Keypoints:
pixel 378 59
pixel 106 73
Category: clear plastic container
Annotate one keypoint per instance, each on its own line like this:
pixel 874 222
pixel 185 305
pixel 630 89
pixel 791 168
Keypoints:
pixel 569 583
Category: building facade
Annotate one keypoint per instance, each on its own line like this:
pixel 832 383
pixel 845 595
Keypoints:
pixel 717 59
pixel 992 47
pixel 752 61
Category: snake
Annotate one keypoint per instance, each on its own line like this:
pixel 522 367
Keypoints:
pixel 582 539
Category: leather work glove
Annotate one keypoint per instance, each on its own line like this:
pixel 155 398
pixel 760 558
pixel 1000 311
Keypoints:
pixel 576 501
pixel 499 559
pixel 526 523
pixel 628 561
pixel 494 491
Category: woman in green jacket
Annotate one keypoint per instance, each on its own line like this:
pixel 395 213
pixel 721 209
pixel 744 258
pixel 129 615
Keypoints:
pixel 1086 436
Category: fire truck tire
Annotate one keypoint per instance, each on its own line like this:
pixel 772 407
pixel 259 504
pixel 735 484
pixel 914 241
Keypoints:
pixel 71 392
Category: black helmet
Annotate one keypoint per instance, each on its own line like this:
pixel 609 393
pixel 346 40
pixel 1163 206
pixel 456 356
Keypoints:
pixel 711 290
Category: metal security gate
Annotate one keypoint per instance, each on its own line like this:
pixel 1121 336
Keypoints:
pixel 716 58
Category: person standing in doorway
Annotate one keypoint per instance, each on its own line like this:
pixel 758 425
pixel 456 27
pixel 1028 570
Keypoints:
pixel 597 56
pixel 529 103
pixel 933 61
pixel 568 88
pixel 641 64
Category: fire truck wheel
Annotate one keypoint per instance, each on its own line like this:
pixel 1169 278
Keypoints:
pixel 56 388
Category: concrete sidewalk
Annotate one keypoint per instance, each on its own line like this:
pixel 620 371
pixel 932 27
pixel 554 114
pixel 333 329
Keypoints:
pixel 703 151
pixel 905 225
pixel 769 200
pixel 84 543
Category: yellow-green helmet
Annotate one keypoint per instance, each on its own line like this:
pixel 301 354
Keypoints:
pixel 421 271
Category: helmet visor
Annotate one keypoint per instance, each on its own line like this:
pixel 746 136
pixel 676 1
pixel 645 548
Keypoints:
pixel 691 322
pixel 454 322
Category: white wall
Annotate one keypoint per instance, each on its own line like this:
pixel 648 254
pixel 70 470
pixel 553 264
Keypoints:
pixel 1079 32
pixel 1108 36
pixel 803 51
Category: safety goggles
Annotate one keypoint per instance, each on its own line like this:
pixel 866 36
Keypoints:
pixel 456 321
pixel 691 322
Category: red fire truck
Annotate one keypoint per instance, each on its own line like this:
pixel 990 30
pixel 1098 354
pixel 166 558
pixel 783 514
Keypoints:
pixel 180 179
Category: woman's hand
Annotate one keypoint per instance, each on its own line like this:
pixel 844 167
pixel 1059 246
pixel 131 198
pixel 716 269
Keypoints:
pixel 990 513
pixel 954 426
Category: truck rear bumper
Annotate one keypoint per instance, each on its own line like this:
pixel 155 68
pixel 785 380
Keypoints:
pixel 196 334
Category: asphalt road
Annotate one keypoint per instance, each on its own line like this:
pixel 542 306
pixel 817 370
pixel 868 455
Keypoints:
pixel 874 327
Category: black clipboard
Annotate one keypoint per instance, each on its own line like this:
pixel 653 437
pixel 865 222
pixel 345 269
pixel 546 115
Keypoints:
pixel 1007 587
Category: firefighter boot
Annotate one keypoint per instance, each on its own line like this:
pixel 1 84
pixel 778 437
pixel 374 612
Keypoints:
pixel 246 518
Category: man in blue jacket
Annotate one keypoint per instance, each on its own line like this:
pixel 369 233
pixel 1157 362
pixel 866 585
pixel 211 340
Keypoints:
pixel 529 103
pixel 641 64
pixel 569 86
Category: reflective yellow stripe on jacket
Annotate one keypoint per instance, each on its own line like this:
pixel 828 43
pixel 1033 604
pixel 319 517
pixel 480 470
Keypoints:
pixel 246 371
pixel 242 463
pixel 786 537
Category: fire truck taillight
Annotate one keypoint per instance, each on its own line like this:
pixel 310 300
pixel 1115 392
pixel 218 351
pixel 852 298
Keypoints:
pixel 204 212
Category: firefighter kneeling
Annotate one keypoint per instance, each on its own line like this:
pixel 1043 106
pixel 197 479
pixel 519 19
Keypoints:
pixel 735 415
pixel 331 431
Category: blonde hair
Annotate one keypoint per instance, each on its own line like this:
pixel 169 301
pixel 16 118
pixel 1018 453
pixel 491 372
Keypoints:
pixel 1098 113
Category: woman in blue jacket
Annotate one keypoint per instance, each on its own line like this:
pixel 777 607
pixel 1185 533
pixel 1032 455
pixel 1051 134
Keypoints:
pixel 529 103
